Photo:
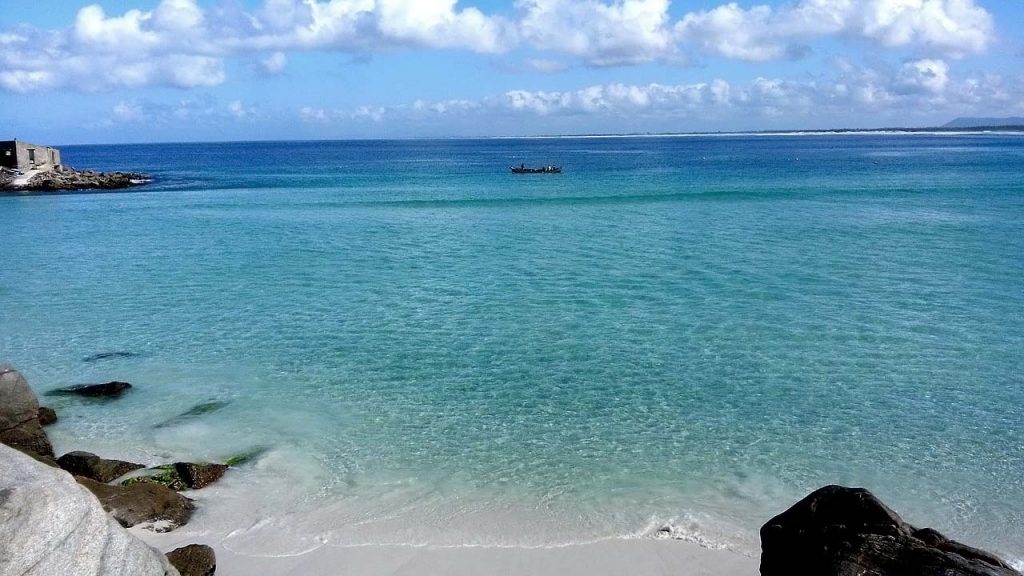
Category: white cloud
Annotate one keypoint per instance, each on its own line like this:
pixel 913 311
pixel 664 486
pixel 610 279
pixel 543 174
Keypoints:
pixel 375 113
pixel 239 111
pixel 915 90
pixel 23 81
pixel 952 27
pixel 315 115
pixel 370 25
pixel 203 107
pixel 180 44
pixel 275 63
pixel 927 75
pixel 601 34
pixel 125 112
pixel 547 65
pixel 167 46
pixel 621 99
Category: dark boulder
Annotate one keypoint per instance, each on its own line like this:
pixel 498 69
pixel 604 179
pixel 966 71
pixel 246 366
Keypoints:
pixel 197 476
pixel 19 415
pixel 839 531
pixel 142 502
pixel 109 356
pixel 107 390
pixel 193 560
pixel 95 468
pixel 46 416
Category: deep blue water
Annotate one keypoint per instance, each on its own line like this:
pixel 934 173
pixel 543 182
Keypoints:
pixel 694 331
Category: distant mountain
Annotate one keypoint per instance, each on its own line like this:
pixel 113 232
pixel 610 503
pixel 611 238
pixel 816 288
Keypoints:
pixel 985 122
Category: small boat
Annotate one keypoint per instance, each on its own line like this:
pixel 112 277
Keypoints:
pixel 524 169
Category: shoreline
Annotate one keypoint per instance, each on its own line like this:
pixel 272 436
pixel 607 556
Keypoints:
pixel 832 530
pixel 224 522
pixel 608 557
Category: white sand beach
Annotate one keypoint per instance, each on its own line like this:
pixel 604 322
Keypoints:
pixel 607 558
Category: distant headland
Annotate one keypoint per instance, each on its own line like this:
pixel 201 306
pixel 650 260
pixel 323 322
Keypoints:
pixel 28 167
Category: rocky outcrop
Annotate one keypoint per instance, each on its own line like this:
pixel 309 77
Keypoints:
pixel 50 526
pixel 6 177
pixel 66 178
pixel 194 560
pixel 107 390
pixel 19 415
pixel 93 467
pixel 142 503
pixel 839 531
pixel 47 416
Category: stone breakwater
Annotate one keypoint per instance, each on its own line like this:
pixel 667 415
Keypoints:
pixel 64 178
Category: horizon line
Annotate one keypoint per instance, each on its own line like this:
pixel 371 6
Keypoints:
pixel 1009 129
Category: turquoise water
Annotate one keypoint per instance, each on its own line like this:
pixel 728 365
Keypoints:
pixel 685 331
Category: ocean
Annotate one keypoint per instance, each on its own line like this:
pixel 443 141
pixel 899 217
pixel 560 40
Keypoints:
pixel 676 337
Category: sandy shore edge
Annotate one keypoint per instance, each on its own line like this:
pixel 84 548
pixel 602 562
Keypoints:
pixel 637 557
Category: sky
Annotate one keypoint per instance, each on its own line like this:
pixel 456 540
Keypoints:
pixel 108 71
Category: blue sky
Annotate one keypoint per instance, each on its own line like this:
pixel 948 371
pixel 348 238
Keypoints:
pixel 202 70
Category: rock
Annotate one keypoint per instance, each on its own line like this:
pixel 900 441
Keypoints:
pixel 46 416
pixel 839 531
pixel 6 177
pixel 95 468
pixel 108 390
pixel 71 179
pixel 198 476
pixel 51 526
pixel 142 502
pixel 181 475
pixel 164 475
pixel 19 415
pixel 194 412
pixel 194 560
pixel 109 356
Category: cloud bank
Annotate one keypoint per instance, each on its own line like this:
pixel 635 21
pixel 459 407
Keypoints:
pixel 179 43
pixel 916 88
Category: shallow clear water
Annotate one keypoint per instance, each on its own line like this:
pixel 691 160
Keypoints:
pixel 695 331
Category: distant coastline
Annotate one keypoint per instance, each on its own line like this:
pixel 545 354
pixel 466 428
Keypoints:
pixel 934 131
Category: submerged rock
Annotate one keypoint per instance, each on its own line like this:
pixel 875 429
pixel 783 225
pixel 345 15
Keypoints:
pixel 46 416
pixel 93 467
pixel 142 502
pixel 19 415
pixel 194 560
pixel 839 531
pixel 110 356
pixel 246 457
pixel 51 526
pixel 107 390
pixel 194 412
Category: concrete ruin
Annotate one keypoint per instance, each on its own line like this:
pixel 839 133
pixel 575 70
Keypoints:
pixel 23 156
